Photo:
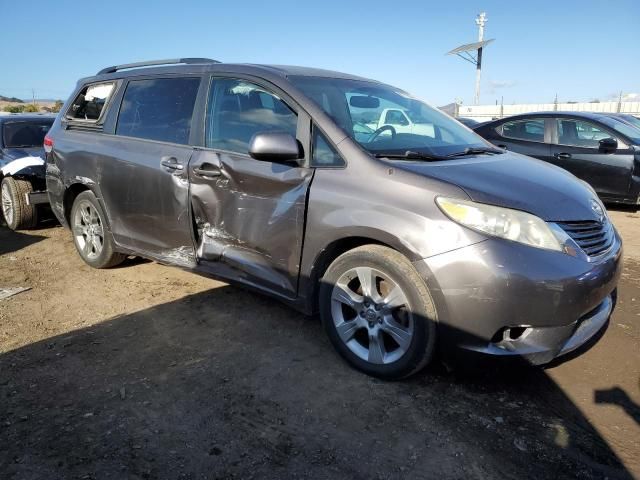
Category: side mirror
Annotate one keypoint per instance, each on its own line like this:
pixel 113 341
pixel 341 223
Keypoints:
pixel 608 145
pixel 274 147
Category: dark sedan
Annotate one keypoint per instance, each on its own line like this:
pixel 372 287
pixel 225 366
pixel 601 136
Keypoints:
pixel 600 149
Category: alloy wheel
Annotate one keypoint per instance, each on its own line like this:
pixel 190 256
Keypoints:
pixel 7 204
pixel 371 315
pixel 88 230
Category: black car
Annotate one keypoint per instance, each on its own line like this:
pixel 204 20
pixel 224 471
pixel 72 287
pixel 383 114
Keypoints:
pixel 626 118
pixel 22 169
pixel 599 148
pixel 468 122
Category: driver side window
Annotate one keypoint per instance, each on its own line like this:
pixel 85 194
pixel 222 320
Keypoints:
pixel 578 133
pixel 237 110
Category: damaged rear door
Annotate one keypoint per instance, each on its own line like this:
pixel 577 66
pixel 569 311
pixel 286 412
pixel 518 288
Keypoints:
pixel 144 180
pixel 249 214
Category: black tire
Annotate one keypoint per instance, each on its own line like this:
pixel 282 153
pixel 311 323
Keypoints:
pixel 104 257
pixel 22 216
pixel 419 307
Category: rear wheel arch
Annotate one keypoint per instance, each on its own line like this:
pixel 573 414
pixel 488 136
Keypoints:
pixel 70 195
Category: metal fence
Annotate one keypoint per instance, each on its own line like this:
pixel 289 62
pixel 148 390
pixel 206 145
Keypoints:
pixel 488 112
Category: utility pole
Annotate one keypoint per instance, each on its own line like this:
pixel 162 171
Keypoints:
pixel 466 52
pixel 33 96
pixel 481 20
pixel 620 102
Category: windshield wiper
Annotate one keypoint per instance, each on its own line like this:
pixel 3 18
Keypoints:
pixel 409 155
pixel 476 151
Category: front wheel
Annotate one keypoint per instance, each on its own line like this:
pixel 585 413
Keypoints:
pixel 90 234
pixel 378 312
pixel 18 214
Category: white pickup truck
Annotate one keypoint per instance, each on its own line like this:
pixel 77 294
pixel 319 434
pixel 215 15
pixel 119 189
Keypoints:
pixel 402 123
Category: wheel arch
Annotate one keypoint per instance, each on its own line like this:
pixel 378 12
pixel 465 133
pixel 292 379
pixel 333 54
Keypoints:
pixel 337 247
pixel 70 195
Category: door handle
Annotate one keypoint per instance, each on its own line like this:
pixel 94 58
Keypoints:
pixel 171 163
pixel 502 146
pixel 561 156
pixel 207 170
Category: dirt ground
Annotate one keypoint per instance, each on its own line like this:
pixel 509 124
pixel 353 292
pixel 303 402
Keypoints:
pixel 147 371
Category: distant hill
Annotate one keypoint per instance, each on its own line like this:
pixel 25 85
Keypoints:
pixel 10 99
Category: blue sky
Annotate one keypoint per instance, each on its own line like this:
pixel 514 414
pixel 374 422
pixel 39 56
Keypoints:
pixel 579 49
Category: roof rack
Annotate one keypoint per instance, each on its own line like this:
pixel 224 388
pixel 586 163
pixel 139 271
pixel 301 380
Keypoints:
pixel 170 61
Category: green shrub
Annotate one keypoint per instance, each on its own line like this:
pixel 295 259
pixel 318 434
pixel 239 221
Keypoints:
pixel 57 106
pixel 31 108
pixel 14 108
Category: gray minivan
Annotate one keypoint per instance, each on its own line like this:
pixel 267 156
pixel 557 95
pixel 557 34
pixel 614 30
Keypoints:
pixel 406 242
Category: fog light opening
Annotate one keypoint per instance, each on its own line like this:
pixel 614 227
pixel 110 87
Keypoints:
pixel 508 334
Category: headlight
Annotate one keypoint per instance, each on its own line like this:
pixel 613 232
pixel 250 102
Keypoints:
pixel 501 222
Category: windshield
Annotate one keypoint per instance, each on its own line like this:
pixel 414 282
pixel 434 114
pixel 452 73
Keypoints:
pixel 385 120
pixel 620 126
pixel 24 134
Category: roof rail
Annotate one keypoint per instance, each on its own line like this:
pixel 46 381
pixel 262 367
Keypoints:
pixel 170 61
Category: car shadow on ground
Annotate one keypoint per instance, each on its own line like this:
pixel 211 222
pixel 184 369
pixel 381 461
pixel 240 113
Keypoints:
pixel 188 389
pixel 11 241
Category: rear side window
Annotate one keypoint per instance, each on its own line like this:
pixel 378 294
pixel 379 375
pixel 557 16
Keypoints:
pixel 158 109
pixel 90 102
pixel 238 110
pixel 530 130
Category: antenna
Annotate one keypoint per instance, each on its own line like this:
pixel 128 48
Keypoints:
pixel 464 52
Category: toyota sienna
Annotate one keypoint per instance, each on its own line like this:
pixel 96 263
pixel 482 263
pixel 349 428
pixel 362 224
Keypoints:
pixel 406 242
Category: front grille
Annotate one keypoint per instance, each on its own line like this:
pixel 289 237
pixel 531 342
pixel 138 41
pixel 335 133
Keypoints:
pixel 593 237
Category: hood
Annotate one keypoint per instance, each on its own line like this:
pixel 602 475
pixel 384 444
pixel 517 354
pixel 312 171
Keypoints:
pixel 515 181
pixel 26 166
pixel 14 153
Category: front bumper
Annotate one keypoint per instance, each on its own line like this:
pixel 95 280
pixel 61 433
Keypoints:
pixel 501 298
pixel 540 345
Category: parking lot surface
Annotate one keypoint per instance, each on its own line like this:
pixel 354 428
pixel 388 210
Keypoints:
pixel 147 371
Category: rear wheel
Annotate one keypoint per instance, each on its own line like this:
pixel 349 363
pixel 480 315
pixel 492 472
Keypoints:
pixel 378 312
pixel 90 235
pixel 18 214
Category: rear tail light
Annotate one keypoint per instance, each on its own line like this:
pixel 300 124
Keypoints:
pixel 48 144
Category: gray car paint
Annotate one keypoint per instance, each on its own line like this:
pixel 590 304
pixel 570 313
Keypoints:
pixel 276 226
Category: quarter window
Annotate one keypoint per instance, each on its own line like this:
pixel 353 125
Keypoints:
pixel 579 133
pixel 90 102
pixel 530 130
pixel 324 155
pixel 158 109
pixel 237 110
